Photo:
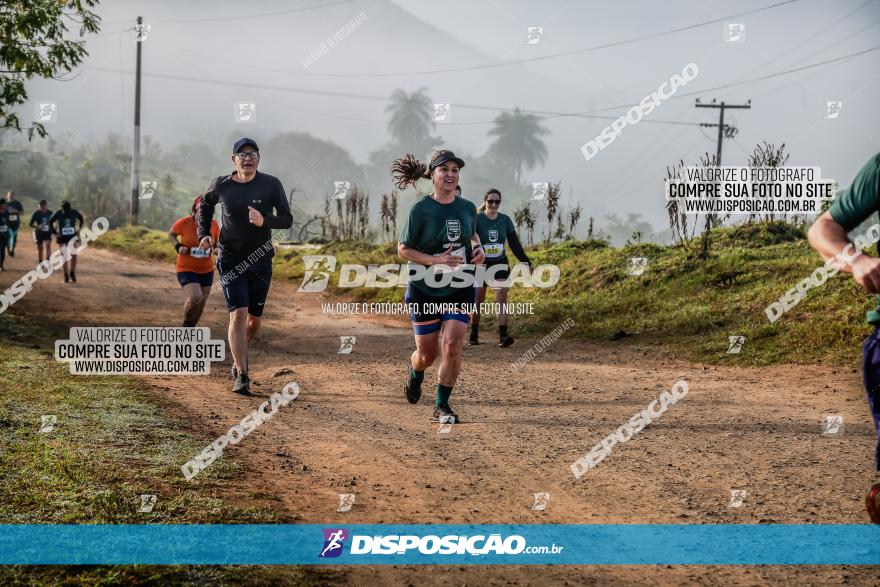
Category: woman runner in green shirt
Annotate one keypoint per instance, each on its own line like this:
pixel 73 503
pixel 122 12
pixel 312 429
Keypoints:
pixel 436 240
pixel 495 229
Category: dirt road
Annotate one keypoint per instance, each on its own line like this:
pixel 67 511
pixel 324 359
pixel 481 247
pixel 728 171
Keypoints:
pixel 351 430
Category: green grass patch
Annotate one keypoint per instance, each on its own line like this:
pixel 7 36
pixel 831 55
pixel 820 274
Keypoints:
pixel 137 241
pixel 687 305
pixel 111 444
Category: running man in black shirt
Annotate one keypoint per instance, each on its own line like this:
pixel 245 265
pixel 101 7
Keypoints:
pixel 41 222
pixel 14 210
pixel 66 219
pixel 247 199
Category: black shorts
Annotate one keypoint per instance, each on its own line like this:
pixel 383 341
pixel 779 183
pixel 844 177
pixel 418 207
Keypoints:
pixel 245 285
pixel 184 278
pixel 63 240
pixel 41 237
pixel 427 319
pixel 498 275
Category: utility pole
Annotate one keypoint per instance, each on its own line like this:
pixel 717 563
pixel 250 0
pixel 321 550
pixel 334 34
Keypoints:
pixel 136 151
pixel 723 129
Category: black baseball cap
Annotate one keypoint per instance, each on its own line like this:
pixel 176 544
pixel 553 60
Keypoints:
pixel 243 142
pixel 444 156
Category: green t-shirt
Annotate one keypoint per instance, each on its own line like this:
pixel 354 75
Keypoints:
pixel 857 203
pixel 493 234
pixel 434 229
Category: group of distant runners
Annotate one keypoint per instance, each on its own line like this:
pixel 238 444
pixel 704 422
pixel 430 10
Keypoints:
pixel 64 224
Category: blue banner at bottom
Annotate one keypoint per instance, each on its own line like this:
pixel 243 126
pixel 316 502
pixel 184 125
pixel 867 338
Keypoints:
pixel 375 544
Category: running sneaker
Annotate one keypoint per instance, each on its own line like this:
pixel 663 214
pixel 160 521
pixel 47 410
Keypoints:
pixel 73 276
pixel 506 341
pixel 66 278
pixel 242 384
pixel 412 388
pixel 233 372
pixel 443 412
pixel 473 341
pixel 873 503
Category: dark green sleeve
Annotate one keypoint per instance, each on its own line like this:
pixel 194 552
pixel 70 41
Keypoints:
pixel 862 199
pixel 410 231
pixel 513 240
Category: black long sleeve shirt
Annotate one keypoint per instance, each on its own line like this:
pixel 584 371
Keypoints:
pixel 238 237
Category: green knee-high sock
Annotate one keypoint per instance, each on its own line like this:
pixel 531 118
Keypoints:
pixel 417 376
pixel 443 393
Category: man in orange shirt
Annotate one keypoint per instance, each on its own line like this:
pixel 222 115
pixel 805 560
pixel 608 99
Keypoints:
pixel 195 266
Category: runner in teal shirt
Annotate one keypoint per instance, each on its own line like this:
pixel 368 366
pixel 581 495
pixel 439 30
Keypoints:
pixel 438 237
pixel 495 231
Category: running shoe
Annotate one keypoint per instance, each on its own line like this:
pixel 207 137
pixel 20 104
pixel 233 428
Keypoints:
pixel 873 503
pixel 443 412
pixel 73 276
pixel 506 341
pixel 473 341
pixel 242 384
pixel 412 389
pixel 66 278
pixel 233 372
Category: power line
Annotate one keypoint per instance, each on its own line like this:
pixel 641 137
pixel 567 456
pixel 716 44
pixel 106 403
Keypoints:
pixel 557 55
pixel 241 17
pixel 545 114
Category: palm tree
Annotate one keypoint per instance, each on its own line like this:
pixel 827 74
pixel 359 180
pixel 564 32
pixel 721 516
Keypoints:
pixel 518 143
pixel 411 122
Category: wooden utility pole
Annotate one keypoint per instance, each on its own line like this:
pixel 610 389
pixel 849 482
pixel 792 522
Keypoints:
pixel 136 151
pixel 722 128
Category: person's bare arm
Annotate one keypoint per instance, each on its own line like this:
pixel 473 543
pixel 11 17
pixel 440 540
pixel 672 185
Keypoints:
pixel 830 240
pixel 172 236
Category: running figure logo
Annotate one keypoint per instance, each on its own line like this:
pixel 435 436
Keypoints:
pixel 346 500
pixel 334 539
pixel 734 32
pixel 737 496
pixel 143 31
pixel 534 35
pixel 148 188
pixel 46 112
pixel 47 423
pixel 736 344
pixel 637 265
pixel 245 112
pixel 445 424
pixel 541 501
pixel 340 189
pixel 832 109
pixel 147 503
pixel 441 113
pixel 832 425
pixel 317 273
pixel 539 190
pixel 346 345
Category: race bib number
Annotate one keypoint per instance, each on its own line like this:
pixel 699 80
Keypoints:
pixel 43 228
pixel 459 252
pixel 493 249
pixel 200 253
pixel 3 229
pixel 13 217
pixel 67 231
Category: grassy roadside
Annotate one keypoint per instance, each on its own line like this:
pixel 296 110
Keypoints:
pixel 685 306
pixel 111 444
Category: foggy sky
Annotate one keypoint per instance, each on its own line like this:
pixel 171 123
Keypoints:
pixel 342 96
